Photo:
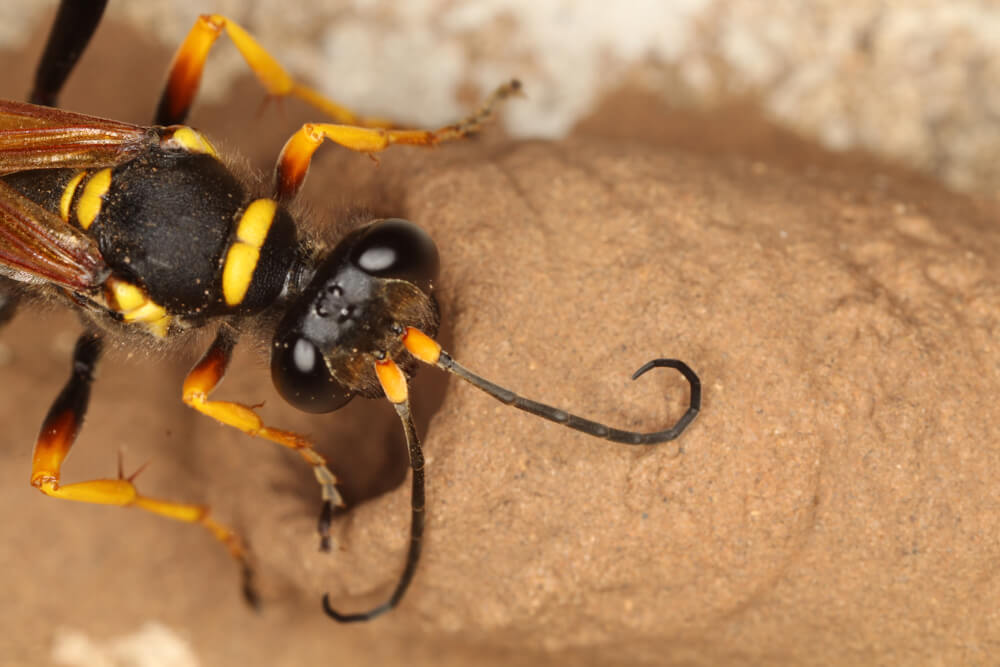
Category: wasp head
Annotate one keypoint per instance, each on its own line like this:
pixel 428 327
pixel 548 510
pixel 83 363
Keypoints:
pixel 376 282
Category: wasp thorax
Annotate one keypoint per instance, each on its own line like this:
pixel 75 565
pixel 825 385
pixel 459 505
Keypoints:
pixel 375 283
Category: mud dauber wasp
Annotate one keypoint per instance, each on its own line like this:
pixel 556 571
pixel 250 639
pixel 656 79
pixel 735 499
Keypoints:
pixel 148 233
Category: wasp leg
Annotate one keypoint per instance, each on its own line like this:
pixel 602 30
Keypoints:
pixel 393 382
pixel 189 61
pixel 293 163
pixel 73 27
pixel 57 436
pixel 206 376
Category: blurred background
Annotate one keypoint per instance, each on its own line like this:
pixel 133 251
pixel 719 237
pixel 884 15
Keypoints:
pixel 914 81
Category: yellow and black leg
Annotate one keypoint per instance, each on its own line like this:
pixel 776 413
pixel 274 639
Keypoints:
pixel 74 25
pixel 293 163
pixel 57 436
pixel 351 130
pixel 189 62
pixel 206 376
pixel 394 384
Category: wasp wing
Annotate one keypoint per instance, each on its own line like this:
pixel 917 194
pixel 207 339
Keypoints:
pixel 36 245
pixel 36 137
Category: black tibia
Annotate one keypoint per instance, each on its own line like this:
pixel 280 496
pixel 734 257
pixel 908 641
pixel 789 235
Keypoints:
pixel 416 527
pixel 75 396
pixel 585 425
pixel 71 31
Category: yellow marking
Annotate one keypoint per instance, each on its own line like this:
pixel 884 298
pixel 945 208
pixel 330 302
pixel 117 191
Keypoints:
pixel 127 296
pixel 241 260
pixel 92 197
pixel 244 253
pixel 136 306
pixel 190 140
pixel 148 312
pixel 256 221
pixel 392 380
pixel 67 195
pixel 421 346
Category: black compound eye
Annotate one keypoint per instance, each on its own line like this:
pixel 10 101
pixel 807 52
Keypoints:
pixel 397 248
pixel 301 377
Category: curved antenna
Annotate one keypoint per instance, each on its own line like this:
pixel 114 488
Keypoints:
pixel 426 349
pixel 587 426
pixel 394 383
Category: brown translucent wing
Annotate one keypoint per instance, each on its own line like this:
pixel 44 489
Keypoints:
pixel 36 245
pixel 36 137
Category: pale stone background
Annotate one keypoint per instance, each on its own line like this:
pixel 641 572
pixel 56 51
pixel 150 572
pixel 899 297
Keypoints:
pixel 915 81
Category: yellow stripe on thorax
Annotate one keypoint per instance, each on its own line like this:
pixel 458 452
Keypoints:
pixel 244 253
pixel 67 195
pixel 90 201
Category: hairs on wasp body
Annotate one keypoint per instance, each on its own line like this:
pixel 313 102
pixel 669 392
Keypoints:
pixel 147 233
